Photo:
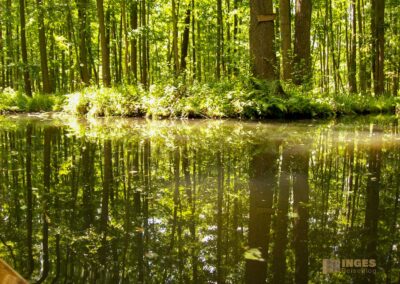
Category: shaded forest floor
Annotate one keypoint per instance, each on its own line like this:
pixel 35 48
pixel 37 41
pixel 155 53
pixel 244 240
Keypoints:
pixel 255 100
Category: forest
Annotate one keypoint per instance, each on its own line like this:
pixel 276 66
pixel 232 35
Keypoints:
pixel 200 58
pixel 305 171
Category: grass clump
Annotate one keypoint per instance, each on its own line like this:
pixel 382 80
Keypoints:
pixel 94 101
pixel 246 98
pixel 365 104
pixel 13 101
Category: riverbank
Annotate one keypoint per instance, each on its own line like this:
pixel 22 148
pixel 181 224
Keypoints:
pixel 212 100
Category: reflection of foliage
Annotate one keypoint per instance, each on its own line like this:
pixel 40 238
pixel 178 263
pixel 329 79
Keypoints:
pixel 253 254
pixel 166 221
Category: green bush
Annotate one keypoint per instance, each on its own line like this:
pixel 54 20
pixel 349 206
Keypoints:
pixel 248 98
pixel 12 101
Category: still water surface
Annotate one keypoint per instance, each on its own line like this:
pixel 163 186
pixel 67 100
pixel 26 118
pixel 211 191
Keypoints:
pixel 135 201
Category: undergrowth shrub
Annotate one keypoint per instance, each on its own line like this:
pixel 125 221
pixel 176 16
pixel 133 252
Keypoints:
pixel 13 101
pixel 247 97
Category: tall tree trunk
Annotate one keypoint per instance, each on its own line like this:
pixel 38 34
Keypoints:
pixel 227 54
pixel 105 54
pixel 220 38
pixel 84 40
pixel 194 54
pixel 42 48
pixel 235 34
pixel 262 50
pixel 361 54
pixel 378 42
pixel 9 36
pixel 185 40
pixel 302 42
pixel 353 53
pixel 134 26
pixel 396 80
pixel 199 57
pixel 2 61
pixel 125 35
pixel 144 63
pixel 286 38
pixel 24 52
pixel 113 38
pixel 175 55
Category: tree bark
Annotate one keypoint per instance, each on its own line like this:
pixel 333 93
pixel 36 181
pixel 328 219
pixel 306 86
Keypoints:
pixel 194 53
pixel 144 46
pixel 220 38
pixel 302 42
pixel 262 51
pixel 24 52
pixel 47 88
pixel 175 38
pixel 3 73
pixel 185 40
pixel 134 26
pixel 9 37
pixel 353 53
pixel 105 54
pixel 286 41
pixel 124 29
pixel 361 54
pixel 378 42
pixel 84 40
pixel 235 34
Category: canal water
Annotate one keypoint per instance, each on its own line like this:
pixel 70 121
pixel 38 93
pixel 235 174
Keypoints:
pixel 203 201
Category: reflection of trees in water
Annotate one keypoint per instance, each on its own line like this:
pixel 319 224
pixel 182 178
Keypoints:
pixel 263 172
pixel 281 222
pixel 181 207
pixel 301 210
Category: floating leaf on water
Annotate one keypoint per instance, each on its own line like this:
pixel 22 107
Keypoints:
pixel 253 254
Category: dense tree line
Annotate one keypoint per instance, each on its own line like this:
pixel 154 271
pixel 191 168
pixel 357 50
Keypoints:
pixel 57 46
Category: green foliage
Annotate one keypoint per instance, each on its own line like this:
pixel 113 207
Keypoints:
pixel 245 98
pixel 12 101
pixel 204 172
pixel 364 104
pixel 249 99
pixel 95 101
